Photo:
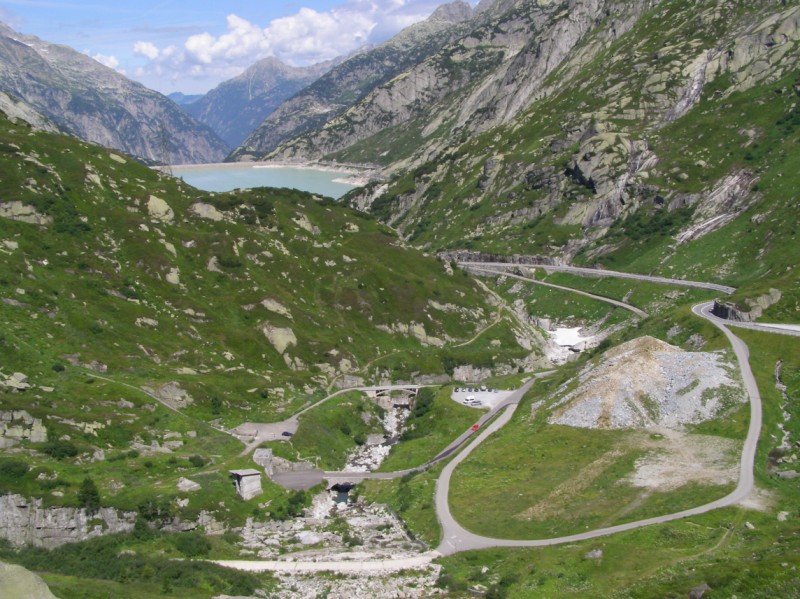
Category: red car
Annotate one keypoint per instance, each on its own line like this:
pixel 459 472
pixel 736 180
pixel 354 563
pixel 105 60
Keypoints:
pixel 476 427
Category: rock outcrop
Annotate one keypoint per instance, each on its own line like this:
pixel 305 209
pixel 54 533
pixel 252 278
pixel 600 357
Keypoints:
pixel 730 311
pixel 206 211
pixel 16 581
pixel 159 209
pixel 16 210
pixel 27 522
pixel 18 425
pixel 281 338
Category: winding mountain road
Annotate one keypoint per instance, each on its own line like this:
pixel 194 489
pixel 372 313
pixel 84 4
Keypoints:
pixel 456 538
pixel 260 432
pixel 704 311
pixel 608 300
pixel 597 272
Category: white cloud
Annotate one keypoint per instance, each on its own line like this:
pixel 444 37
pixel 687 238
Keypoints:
pixel 146 49
pixel 110 61
pixel 306 37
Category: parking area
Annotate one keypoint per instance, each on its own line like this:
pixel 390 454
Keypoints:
pixel 479 396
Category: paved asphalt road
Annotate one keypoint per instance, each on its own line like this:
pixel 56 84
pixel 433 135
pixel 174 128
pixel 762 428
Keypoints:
pixel 608 300
pixel 704 310
pixel 596 272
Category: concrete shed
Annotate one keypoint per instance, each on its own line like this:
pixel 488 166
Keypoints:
pixel 247 483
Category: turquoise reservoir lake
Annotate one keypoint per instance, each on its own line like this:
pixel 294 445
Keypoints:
pixel 226 177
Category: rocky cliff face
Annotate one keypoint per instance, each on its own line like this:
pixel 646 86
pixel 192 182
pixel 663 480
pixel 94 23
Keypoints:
pixel 18 111
pixel 731 311
pixel 27 522
pixel 100 105
pixel 353 80
pixel 585 132
pixel 481 79
pixel 236 107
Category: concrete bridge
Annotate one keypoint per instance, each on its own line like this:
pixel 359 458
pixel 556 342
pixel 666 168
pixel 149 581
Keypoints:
pixel 386 390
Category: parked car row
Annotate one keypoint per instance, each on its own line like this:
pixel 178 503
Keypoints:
pixel 475 389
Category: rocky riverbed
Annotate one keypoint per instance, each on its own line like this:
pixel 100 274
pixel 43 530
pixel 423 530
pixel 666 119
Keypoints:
pixel 329 528
pixel 402 585
pixel 369 456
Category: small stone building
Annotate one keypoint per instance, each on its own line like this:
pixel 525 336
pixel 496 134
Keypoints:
pixel 247 483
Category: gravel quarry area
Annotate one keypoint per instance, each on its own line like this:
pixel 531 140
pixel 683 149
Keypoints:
pixel 648 383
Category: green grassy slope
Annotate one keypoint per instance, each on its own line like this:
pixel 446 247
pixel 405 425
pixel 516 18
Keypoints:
pixel 112 296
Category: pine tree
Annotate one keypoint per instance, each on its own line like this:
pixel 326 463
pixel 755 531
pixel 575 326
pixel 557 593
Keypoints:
pixel 89 496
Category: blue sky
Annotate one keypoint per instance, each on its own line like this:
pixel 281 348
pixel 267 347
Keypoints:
pixel 172 45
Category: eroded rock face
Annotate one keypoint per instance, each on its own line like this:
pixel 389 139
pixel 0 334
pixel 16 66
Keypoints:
pixel 281 338
pixel 26 522
pixel 24 213
pixel 332 94
pixel 16 111
pixel 471 373
pixel 730 311
pixel 101 105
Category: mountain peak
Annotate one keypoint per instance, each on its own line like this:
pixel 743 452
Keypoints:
pixel 455 12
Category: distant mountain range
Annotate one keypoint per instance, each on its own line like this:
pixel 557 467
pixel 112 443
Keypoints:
pixel 99 104
pixel 182 99
pixel 350 82
pixel 237 106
